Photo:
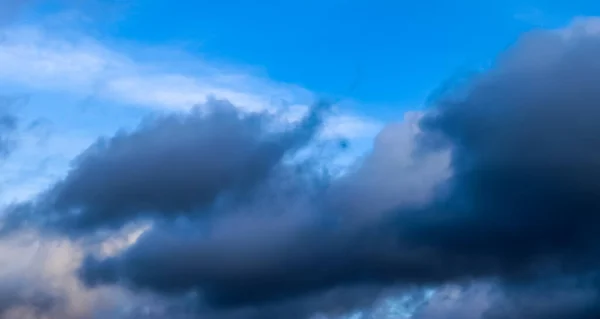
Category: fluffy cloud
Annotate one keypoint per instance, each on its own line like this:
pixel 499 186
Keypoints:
pixel 173 165
pixel 521 205
pixel 38 280
pixel 257 207
pixel 525 174
pixel 492 194
pixel 520 200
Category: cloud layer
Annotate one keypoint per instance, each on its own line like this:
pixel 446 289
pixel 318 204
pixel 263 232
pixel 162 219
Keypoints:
pixel 228 198
pixel 492 194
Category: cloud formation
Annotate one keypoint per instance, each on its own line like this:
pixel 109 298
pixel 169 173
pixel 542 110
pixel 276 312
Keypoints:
pixel 493 194
pixel 246 203
pixel 45 60
pixel 525 159
pixel 80 65
pixel 291 239
pixel 520 203
pixel 175 164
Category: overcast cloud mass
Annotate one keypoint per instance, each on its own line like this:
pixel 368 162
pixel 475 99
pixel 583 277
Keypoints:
pixel 486 205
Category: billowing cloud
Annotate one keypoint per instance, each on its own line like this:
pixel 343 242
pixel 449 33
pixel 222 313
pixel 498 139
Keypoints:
pixel 522 203
pixel 520 200
pixel 291 240
pixel 174 165
pixel 246 202
pixel 493 194
pixel 525 160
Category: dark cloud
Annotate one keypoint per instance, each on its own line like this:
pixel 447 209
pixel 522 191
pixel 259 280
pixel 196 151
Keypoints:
pixel 293 239
pixel 245 230
pixel 15 295
pixel 171 166
pixel 523 202
pixel 523 198
pixel 526 169
pixel 552 298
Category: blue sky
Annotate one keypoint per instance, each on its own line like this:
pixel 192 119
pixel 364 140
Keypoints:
pixel 108 63
pixel 380 52
pixel 387 54
pixel 86 69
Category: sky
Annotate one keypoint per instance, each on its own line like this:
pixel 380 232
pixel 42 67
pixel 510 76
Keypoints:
pixel 380 59
pixel 336 159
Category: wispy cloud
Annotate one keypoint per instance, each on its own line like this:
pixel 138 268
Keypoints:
pixel 78 64
pixel 38 60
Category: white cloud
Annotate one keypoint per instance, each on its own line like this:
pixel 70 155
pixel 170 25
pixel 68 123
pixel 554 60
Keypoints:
pixel 38 280
pixel 36 59
pixel 40 274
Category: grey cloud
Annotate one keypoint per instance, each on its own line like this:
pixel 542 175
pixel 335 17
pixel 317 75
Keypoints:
pixel 16 295
pixel 395 174
pixel 516 203
pixel 522 197
pixel 526 174
pixel 552 298
pixel 294 239
pixel 522 203
pixel 170 166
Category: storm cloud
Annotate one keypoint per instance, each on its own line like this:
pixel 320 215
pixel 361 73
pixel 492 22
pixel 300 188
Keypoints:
pixel 294 238
pixel 525 160
pixel 522 203
pixel 522 198
pixel 499 182
pixel 172 165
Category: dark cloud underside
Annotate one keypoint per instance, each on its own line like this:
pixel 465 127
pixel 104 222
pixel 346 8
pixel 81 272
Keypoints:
pixel 518 206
